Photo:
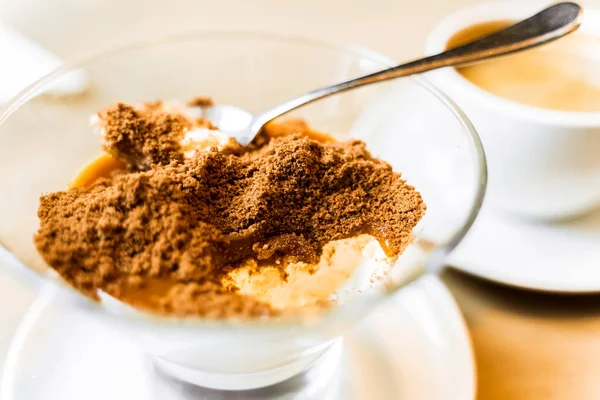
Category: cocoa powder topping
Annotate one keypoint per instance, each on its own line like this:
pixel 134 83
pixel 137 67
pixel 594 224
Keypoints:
pixel 200 101
pixel 163 233
pixel 143 137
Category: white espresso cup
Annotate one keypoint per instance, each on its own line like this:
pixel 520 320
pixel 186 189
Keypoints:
pixel 543 164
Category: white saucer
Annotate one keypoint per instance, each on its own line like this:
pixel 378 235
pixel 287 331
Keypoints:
pixel 414 347
pixel 558 257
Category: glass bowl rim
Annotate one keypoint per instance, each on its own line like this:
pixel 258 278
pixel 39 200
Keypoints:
pixel 39 283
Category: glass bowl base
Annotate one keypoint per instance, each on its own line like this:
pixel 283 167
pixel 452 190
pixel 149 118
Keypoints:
pixel 318 379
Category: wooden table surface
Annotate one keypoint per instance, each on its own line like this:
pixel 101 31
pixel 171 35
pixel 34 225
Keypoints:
pixel 527 345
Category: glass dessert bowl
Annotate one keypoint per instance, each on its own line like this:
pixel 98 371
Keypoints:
pixel 45 141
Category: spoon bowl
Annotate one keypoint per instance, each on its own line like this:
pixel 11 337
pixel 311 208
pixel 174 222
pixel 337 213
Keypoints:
pixel 230 119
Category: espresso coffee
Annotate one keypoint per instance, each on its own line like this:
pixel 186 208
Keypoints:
pixel 563 75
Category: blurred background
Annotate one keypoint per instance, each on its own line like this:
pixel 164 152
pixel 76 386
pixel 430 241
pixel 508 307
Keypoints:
pixel 396 28
pixel 72 28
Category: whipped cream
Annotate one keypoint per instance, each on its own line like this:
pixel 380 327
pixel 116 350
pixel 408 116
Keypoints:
pixel 203 139
pixel 345 269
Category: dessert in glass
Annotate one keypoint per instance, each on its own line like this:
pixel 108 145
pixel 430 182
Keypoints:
pixel 234 268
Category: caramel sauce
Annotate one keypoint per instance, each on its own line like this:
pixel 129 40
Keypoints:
pixel 290 126
pixel 145 295
pixel 102 167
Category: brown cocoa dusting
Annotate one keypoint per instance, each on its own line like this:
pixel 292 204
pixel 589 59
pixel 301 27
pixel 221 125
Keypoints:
pixel 168 229
pixel 200 101
pixel 147 135
pixel 143 136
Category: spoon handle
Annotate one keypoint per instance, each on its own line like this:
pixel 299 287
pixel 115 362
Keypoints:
pixel 551 23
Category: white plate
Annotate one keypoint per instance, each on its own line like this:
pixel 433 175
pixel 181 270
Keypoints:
pixel 414 347
pixel 558 257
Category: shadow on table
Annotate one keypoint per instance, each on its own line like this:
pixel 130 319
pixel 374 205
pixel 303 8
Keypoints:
pixel 469 289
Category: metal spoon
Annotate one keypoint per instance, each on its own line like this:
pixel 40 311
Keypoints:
pixel 550 24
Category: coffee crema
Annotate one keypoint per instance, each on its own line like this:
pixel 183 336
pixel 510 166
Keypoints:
pixel 563 75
